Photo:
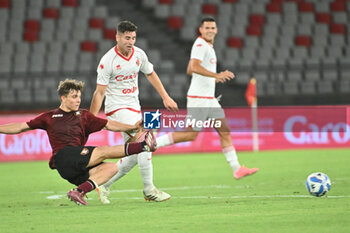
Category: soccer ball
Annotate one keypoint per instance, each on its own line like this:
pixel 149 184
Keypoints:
pixel 318 184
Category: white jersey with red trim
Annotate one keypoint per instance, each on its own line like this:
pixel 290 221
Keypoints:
pixel 203 86
pixel 120 75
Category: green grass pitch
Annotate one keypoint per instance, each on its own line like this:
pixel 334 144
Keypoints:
pixel 205 197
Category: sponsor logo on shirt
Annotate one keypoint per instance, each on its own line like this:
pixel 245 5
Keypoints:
pixel 102 66
pixel 138 62
pixel 119 67
pixel 85 151
pixel 152 120
pixel 122 77
pixel 129 90
pixel 57 115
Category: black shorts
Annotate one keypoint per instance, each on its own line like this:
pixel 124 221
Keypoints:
pixel 71 162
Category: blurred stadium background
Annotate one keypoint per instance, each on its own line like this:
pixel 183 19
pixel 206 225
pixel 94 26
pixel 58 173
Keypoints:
pixel 298 50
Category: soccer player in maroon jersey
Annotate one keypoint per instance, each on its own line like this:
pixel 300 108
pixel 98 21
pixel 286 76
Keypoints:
pixel 68 129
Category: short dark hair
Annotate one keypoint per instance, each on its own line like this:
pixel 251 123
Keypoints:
pixel 126 26
pixel 69 84
pixel 207 19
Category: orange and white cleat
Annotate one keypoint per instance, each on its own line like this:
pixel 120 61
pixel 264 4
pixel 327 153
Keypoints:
pixel 244 171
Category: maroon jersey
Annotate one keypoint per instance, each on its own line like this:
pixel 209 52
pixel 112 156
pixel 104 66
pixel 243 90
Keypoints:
pixel 67 128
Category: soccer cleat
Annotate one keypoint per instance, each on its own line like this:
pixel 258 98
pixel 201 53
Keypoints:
pixel 103 194
pixel 150 140
pixel 77 197
pixel 156 195
pixel 244 171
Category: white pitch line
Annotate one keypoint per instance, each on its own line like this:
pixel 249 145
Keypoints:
pixel 56 197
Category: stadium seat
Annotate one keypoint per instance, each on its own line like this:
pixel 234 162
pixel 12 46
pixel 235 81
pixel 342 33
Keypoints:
pixel 330 75
pixel 323 18
pixel 254 31
pixel 257 19
pixel 70 3
pixel 168 2
pixel 33 25
pixel 308 87
pixel 24 95
pixel 30 36
pixel 96 23
pixel 290 88
pixel 325 87
pixel 175 22
pixel 109 34
pixel 303 41
pixel 344 86
pixel 209 9
pixel 235 42
pixel 273 7
pixel 162 11
pixel 312 75
pixel 5 4
pixel 88 46
pixel 51 13
pixel 36 63
pixel 338 29
pixel 34 13
pixel 306 7
pixel 338 6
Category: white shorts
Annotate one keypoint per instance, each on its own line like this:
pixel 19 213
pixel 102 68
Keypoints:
pixel 126 116
pixel 203 109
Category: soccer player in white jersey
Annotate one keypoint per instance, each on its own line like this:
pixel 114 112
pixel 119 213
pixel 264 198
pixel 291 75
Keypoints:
pixel 117 79
pixel 201 103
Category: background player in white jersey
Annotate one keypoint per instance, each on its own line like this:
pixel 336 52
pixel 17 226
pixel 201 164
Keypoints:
pixel 117 79
pixel 201 101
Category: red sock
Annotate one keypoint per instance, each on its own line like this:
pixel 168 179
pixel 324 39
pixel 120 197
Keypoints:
pixel 133 148
pixel 86 187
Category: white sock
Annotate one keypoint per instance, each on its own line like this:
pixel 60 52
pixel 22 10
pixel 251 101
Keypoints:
pixel 146 169
pixel 231 157
pixel 165 140
pixel 124 166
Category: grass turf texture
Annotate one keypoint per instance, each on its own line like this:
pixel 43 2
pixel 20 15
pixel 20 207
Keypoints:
pixel 205 197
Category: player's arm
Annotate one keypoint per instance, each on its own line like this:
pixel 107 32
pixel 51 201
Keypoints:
pixel 97 99
pixel 168 102
pixel 14 128
pixel 121 127
pixel 195 66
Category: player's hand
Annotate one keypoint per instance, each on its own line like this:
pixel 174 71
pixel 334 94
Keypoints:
pixel 225 76
pixel 170 104
pixel 138 124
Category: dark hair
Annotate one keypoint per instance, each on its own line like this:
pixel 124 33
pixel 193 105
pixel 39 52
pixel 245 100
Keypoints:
pixel 64 87
pixel 207 19
pixel 126 26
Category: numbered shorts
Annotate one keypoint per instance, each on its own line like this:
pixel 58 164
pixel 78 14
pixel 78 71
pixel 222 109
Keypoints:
pixel 203 109
pixel 71 162
pixel 126 116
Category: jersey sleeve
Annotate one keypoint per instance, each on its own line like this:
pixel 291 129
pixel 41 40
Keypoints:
pixel 198 50
pixel 94 123
pixel 146 66
pixel 39 122
pixel 104 70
